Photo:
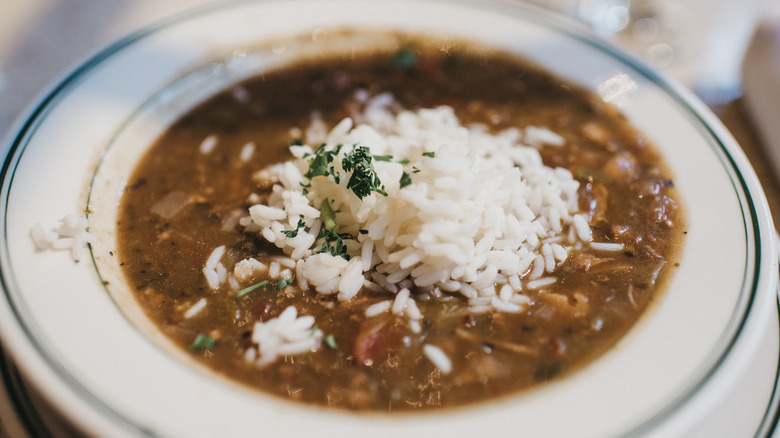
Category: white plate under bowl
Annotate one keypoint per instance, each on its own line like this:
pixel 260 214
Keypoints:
pixel 702 361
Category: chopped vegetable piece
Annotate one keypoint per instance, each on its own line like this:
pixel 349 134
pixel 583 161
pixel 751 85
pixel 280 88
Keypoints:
pixel 203 342
pixel 406 59
pixel 429 154
pixel 282 283
pixel 330 342
pixel 245 291
pixel 328 217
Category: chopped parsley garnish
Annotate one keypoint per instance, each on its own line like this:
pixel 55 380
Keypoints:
pixel 383 157
pixel 403 161
pixel 320 162
pixel 203 342
pixel 283 283
pixel 362 231
pixel 406 179
pixel 327 215
pixel 429 154
pixel 364 179
pixel 334 243
pixel 245 291
pixel 330 342
pixel 293 233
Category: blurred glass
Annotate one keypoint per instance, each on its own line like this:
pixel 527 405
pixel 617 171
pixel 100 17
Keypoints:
pixel 698 42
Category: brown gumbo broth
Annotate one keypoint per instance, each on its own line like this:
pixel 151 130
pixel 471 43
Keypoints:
pixel 181 203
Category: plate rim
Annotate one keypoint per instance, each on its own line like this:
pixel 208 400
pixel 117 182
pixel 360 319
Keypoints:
pixel 18 137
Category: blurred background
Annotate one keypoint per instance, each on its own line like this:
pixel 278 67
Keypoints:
pixel 700 43
pixel 726 51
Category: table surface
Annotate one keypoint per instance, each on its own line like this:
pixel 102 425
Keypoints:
pixel 40 40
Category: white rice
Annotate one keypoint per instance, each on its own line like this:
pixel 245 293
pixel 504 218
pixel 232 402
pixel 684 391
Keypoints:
pixel 428 231
pixel 399 304
pixel 208 144
pixel 288 334
pixel 247 151
pixel 541 282
pixel 412 311
pixel 248 268
pixel 540 136
pixel 273 270
pixel 606 246
pixel 211 278
pixel 214 271
pixel 438 358
pixel 214 257
pixel 195 308
pixel 378 308
pixel 71 235
pixel 479 215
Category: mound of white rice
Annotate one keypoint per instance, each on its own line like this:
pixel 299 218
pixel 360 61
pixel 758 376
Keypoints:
pixel 458 209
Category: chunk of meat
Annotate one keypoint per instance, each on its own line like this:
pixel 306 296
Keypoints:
pixel 376 339
pixel 622 167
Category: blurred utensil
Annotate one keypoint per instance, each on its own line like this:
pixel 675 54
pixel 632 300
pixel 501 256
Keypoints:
pixel 761 87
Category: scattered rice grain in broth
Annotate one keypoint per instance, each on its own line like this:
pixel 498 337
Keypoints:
pixel 288 334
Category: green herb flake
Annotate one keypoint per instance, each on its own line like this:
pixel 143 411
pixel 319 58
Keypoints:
pixel 406 179
pixel 364 179
pixel 320 162
pixel 403 161
pixel 327 215
pixel 330 342
pixel 362 231
pixel 203 342
pixel 334 243
pixel 383 157
pixel 249 289
pixel 293 233
pixel 429 154
pixel 405 59
pixel 283 283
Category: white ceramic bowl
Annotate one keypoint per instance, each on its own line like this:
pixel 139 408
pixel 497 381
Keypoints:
pixel 702 362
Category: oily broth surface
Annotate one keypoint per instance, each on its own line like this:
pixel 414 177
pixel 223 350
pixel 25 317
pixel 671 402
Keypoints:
pixel 378 364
